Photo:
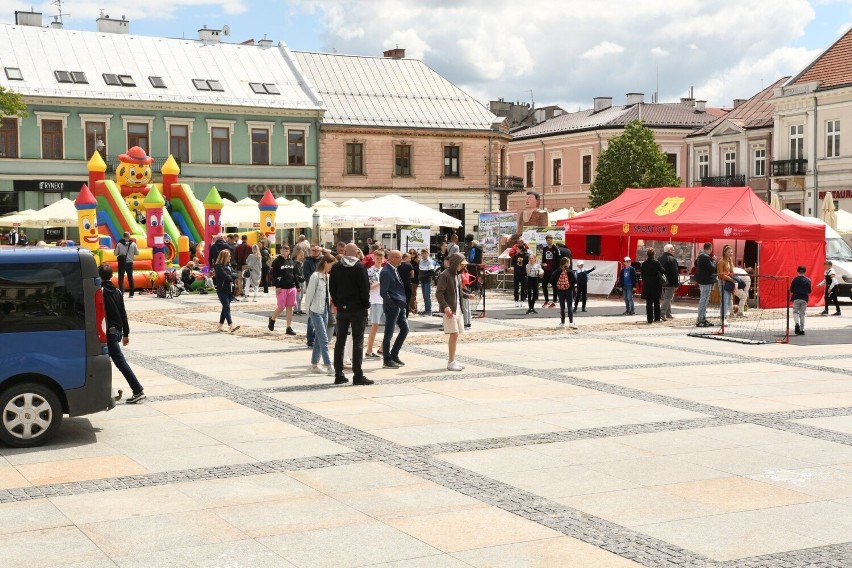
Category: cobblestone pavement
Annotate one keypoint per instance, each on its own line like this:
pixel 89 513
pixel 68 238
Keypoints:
pixel 615 445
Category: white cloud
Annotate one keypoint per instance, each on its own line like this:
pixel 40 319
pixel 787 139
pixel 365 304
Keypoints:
pixel 659 51
pixel 601 50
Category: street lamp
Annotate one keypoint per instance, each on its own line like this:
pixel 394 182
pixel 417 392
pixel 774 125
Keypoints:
pixel 99 146
pixel 316 235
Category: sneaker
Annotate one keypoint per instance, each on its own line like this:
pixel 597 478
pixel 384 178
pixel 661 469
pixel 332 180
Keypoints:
pixel 390 364
pixel 453 366
pixel 398 362
pixel 533 311
pixel 836 314
pixel 561 324
pixel 552 305
pixel 584 309
pixel 529 311
pixel 625 313
pixel 798 329
pixel 362 381
pixel 271 324
pixel 309 345
pixel 371 355
pixel 318 370
pixel 662 318
pixel 825 313
pixel 290 331
pixel 340 380
pixel 802 332
pixel 572 325
pixel 632 313
pixel 545 305
pixel 670 317
pixel 136 397
pixel 467 325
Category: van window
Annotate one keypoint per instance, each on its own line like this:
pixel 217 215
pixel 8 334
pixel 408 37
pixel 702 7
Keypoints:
pixel 41 297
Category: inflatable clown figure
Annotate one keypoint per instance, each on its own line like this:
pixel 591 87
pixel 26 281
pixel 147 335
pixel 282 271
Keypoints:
pixel 268 207
pixel 87 219
pixel 133 176
pixel 154 204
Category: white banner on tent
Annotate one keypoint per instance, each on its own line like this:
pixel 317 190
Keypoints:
pixel 414 237
pixel 603 279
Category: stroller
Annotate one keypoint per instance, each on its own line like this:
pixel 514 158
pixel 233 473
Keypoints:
pixel 173 287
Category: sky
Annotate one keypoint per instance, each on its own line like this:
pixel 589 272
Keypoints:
pixel 542 52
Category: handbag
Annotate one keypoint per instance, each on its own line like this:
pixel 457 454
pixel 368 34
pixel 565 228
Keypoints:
pixel 662 278
pixel 728 286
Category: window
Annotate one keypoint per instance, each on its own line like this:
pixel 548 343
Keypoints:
pixel 530 171
pixel 587 169
pixel 296 147
pixel 63 76
pixel 137 135
pixel 271 88
pixel 9 138
pixel 703 165
pixel 671 158
pixel 79 77
pixel 179 142
pixel 95 131
pixel 111 79
pixel 832 139
pixel 260 146
pixel 69 77
pixel 215 85
pixel 39 297
pixel 126 81
pixel 355 158
pixel 51 139
pixel 14 74
pixel 265 88
pixel 451 161
pixel 220 139
pixel 730 162
pixel 201 84
pixel 157 82
pixel 402 160
pixel 797 142
pixel 557 171
pixel 759 162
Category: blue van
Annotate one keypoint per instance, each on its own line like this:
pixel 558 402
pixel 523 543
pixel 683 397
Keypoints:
pixel 53 353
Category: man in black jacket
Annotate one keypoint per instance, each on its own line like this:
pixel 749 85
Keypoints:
pixel 705 276
pixel 118 331
pixel 285 276
pixel 349 288
pixel 672 271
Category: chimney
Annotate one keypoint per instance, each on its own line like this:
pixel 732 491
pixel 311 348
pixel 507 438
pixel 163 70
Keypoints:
pixel 635 98
pixel 395 53
pixel 602 103
pixel 209 36
pixel 687 101
pixel 264 43
pixel 28 19
pixel 738 102
pixel 700 106
pixel 108 26
pixel 56 24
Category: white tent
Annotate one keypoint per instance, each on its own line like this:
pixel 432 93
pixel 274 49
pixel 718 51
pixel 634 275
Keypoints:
pixel 59 214
pixel 388 211
pixel 844 221
pixel 324 204
pixel 350 202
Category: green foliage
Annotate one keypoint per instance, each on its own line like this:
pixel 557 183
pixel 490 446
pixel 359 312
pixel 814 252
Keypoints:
pixel 630 160
pixel 12 103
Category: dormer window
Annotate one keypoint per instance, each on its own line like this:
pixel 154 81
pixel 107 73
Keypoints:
pixel 157 82
pixel 126 81
pixel 70 77
pixel 111 79
pixel 265 88
pixel 14 74
pixel 208 85
pixel 63 76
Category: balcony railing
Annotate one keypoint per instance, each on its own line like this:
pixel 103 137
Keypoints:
pixel 508 182
pixel 724 181
pixel 156 166
pixel 781 168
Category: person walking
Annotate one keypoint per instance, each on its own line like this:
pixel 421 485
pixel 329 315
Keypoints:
pixel 534 272
pixel 393 303
pixel 241 254
pixel 118 331
pixel 425 275
pixel 741 290
pixel 449 293
pixel 308 266
pixel 298 260
pixel 453 247
pixel 627 280
pixel 800 291
pixel 350 292
pixel 519 269
pixel 582 285
pixel 725 274
pixel 830 283
pixel 652 288
pixel 225 279
pixel 317 300
pixel 549 264
pixel 283 274
pixel 253 264
pixel 414 260
pixel 265 262
pixel 406 274
pixel 565 280
pixel 377 314
pixel 125 251
pixel 672 272
pixel 705 276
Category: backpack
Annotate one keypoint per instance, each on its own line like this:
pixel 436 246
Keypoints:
pixel 564 283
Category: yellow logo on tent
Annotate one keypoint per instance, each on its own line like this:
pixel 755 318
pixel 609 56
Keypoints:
pixel 673 230
pixel 626 227
pixel 669 205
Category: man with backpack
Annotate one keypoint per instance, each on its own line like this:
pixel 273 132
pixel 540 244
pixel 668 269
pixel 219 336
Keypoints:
pixel 565 281
pixel 125 251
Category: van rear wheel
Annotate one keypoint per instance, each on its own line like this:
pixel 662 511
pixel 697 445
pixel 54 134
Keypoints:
pixel 31 414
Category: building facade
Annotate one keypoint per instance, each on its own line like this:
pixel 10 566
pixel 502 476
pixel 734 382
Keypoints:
pixel 558 157
pixel 236 116
pixel 736 149
pixel 811 156
pixel 395 126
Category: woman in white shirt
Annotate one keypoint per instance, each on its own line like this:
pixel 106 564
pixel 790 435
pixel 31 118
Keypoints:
pixel 317 299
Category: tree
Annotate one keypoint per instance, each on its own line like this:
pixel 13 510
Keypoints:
pixel 631 160
pixel 12 103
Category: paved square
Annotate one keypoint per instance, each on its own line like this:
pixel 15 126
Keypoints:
pixel 616 445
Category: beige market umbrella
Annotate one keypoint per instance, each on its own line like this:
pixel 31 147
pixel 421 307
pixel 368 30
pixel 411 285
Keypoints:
pixel 18 218
pixel 829 214
pixel 63 213
pixel 775 202
pixel 352 201
pixel 324 204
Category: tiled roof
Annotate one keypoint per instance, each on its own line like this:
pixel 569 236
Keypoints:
pixel 754 113
pixel 38 52
pixel 383 91
pixel 832 68
pixel 659 115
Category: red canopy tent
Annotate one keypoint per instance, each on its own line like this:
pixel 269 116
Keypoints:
pixel 695 214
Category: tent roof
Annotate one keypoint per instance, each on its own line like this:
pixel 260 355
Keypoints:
pixel 691 213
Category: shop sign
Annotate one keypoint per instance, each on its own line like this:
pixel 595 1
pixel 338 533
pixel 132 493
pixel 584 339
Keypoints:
pixel 279 189
pixel 838 194
pixel 45 185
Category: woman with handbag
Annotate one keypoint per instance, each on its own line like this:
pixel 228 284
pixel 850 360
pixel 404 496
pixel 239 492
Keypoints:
pixel 725 273
pixel 225 278
pixel 653 280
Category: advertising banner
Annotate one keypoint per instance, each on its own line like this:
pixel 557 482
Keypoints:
pixel 492 226
pixel 602 280
pixel 538 235
pixel 414 238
